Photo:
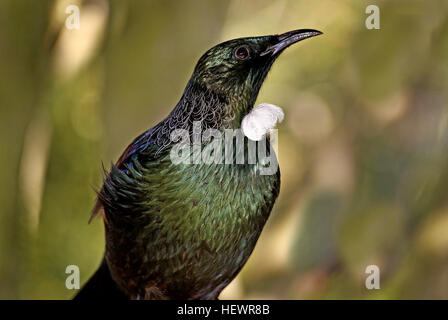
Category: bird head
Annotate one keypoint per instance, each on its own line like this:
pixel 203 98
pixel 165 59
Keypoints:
pixel 237 68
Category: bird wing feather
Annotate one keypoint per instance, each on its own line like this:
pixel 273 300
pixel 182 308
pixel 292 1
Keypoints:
pixel 138 143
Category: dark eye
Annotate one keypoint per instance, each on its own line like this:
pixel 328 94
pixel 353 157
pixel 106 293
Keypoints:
pixel 242 53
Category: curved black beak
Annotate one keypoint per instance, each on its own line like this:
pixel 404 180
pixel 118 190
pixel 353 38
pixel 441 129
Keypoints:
pixel 288 38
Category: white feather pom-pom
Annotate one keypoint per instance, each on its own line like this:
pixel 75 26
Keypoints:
pixel 261 120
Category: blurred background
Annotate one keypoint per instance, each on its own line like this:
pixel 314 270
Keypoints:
pixel 363 148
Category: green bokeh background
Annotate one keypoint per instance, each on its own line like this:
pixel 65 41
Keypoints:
pixel 363 149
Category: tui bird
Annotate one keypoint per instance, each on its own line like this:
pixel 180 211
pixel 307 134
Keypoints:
pixel 184 231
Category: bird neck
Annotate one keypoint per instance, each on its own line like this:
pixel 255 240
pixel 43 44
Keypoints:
pixel 214 109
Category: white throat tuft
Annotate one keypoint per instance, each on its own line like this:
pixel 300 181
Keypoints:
pixel 261 120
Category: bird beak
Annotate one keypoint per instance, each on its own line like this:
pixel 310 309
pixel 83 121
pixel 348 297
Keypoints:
pixel 288 38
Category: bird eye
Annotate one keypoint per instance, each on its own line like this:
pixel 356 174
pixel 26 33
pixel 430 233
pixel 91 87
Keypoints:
pixel 242 53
